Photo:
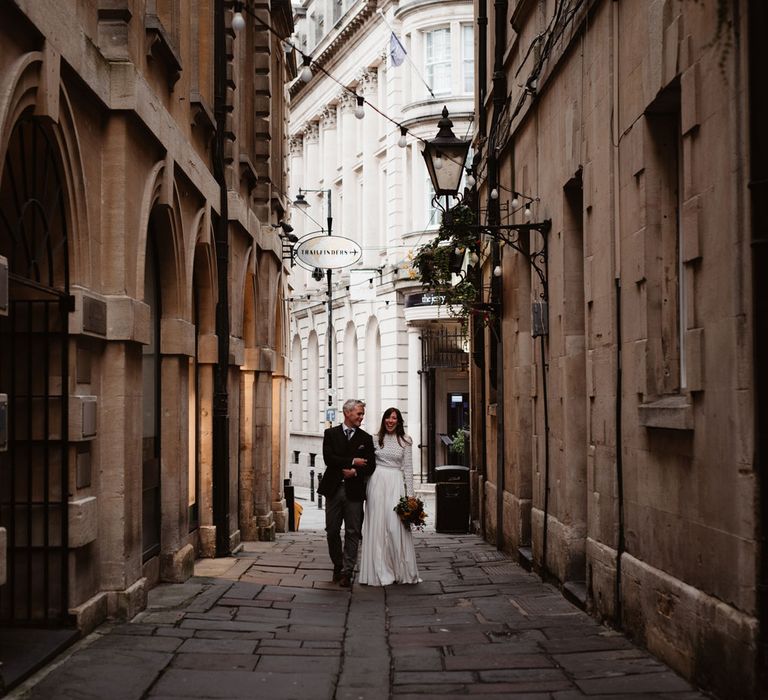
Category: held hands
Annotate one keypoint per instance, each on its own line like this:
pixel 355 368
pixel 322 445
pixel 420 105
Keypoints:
pixel 352 471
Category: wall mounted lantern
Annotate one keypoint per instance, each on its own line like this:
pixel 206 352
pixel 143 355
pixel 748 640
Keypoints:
pixel 445 156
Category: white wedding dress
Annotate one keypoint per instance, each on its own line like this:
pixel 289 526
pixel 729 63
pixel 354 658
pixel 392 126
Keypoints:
pixel 388 554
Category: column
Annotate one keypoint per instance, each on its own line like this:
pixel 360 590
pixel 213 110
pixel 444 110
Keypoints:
pixel 413 418
pixel 371 235
pixel 329 123
pixel 347 104
pixel 311 174
pixel 296 150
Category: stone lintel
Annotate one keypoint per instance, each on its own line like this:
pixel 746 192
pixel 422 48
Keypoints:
pixel 83 521
pixel 671 412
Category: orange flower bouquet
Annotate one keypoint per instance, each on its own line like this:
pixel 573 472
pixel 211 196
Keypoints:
pixel 410 510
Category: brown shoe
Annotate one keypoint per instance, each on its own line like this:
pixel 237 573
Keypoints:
pixel 345 581
pixel 336 576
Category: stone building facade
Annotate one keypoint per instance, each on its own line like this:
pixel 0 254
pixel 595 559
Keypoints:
pixel 110 296
pixel 618 446
pixel 386 330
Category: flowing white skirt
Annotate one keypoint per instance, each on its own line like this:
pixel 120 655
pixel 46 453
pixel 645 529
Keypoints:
pixel 388 554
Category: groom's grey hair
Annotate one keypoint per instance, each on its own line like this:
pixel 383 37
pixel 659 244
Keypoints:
pixel 350 404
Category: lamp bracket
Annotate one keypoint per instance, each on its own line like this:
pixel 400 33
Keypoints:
pixel 511 234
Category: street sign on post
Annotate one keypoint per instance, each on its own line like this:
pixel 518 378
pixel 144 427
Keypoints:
pixel 330 414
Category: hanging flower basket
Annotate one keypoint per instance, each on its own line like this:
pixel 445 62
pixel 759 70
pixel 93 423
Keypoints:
pixel 439 261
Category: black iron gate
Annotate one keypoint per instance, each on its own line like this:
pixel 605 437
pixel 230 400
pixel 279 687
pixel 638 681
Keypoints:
pixel 34 362
pixel 33 470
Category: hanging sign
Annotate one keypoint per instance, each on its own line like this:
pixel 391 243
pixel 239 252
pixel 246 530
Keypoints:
pixel 424 299
pixel 327 252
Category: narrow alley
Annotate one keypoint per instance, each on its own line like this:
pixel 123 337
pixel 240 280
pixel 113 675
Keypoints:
pixel 269 623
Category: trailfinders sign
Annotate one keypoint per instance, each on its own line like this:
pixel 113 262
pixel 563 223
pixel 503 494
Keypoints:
pixel 327 252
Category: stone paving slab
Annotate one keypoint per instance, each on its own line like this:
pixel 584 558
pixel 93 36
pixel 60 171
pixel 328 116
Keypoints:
pixel 270 623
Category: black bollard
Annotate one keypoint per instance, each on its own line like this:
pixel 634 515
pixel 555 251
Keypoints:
pixel 319 495
pixel 312 485
pixel 289 503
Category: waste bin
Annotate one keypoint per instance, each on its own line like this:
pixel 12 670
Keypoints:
pixel 452 498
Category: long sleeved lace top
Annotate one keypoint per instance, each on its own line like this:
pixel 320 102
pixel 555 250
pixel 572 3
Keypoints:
pixel 393 455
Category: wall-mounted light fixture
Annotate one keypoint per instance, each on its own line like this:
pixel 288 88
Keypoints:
pixel 445 156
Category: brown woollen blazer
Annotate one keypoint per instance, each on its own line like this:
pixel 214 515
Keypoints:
pixel 338 453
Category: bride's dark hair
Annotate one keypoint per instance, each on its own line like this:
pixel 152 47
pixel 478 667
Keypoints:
pixel 399 428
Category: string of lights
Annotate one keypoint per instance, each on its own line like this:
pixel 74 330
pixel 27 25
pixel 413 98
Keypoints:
pixel 564 10
pixel 306 75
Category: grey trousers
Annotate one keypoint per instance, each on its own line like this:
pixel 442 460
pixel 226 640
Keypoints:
pixel 338 509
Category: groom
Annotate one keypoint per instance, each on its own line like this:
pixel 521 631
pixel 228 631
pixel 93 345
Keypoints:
pixel 349 461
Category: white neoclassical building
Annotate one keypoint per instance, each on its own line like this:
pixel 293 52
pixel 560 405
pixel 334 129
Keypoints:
pixel 392 343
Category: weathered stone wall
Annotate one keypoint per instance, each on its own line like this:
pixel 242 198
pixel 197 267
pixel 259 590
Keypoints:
pixel 127 94
pixel 631 141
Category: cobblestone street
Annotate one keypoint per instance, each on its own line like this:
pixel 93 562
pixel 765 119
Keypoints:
pixel 269 624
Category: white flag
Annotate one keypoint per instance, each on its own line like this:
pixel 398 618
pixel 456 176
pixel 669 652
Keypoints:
pixel 396 50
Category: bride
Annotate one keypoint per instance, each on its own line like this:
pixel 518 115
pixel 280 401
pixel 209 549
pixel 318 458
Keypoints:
pixel 388 554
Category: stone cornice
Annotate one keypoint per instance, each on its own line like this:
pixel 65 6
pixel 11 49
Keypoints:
pixel 408 8
pixel 332 43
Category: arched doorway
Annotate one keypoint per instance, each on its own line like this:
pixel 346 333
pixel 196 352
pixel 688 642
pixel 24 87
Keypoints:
pixel 34 363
